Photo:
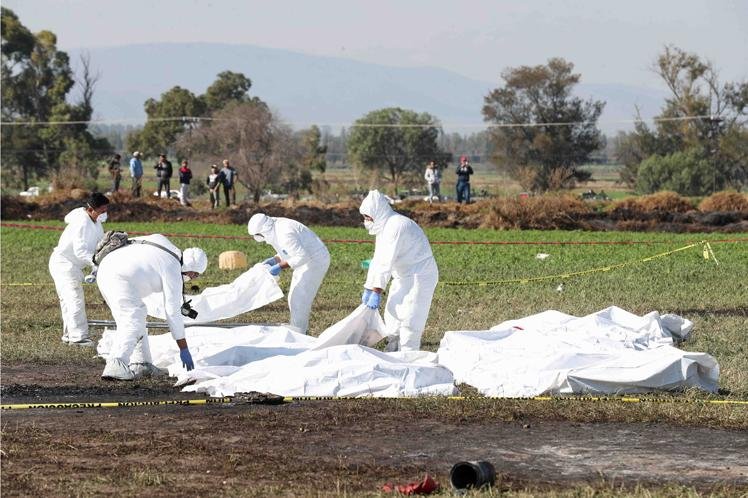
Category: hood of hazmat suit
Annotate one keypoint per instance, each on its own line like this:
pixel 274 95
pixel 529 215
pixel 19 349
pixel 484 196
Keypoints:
pixel 78 240
pixel 293 242
pixel 194 259
pixel 377 205
pixel 260 224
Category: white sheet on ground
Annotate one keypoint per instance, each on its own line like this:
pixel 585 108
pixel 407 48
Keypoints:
pixel 279 360
pixel 611 351
pixel 252 289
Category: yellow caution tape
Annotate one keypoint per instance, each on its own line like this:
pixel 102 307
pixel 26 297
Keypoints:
pixel 289 399
pixel 116 404
pixel 563 276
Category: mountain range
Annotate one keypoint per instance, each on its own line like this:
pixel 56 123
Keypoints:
pixel 308 89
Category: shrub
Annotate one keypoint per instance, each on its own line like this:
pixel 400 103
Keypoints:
pixel 541 212
pixel 661 202
pixel 687 173
pixel 725 201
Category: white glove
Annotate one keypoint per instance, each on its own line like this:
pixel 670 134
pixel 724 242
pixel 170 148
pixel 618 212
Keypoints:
pixel 90 278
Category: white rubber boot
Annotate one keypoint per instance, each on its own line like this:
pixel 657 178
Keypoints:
pixel 115 369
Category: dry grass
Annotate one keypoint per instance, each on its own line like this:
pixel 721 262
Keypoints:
pixel 668 202
pixel 548 211
pixel 725 201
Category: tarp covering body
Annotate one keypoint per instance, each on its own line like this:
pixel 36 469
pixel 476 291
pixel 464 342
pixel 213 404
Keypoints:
pixel 252 289
pixel 608 352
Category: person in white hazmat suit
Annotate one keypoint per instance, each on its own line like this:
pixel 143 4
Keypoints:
pixel 150 264
pixel 403 254
pixel 73 253
pixel 299 248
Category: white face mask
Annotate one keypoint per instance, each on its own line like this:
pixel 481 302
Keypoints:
pixel 369 225
pixel 102 217
pixel 259 238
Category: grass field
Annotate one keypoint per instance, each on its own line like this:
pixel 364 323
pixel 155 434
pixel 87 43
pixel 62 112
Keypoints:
pixel 711 295
pixel 261 451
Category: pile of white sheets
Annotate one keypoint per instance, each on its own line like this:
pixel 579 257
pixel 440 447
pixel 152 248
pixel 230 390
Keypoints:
pixel 608 352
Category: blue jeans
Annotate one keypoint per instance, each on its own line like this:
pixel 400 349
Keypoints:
pixel 463 191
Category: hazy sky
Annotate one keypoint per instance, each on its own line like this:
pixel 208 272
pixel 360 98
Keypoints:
pixel 609 41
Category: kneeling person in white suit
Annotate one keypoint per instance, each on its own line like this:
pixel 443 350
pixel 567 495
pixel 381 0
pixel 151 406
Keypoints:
pixel 72 254
pixel 127 275
pixel 299 248
pixel 402 253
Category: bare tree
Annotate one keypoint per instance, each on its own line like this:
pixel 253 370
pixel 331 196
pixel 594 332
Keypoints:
pixel 248 135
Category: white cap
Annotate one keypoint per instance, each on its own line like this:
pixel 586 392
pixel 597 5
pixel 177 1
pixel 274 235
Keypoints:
pixel 194 259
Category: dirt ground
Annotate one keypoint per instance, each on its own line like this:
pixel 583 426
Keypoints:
pixel 321 447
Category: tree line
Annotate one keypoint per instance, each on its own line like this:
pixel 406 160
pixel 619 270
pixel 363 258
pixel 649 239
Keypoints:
pixel 538 131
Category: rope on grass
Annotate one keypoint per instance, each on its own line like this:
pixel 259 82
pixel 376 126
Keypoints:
pixel 707 252
pixel 79 405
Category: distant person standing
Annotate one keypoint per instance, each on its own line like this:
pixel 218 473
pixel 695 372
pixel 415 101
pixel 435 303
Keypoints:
pixel 164 171
pixel 433 179
pixel 115 169
pixel 185 175
pixel 464 170
pixel 214 181
pixel 229 182
pixel 136 173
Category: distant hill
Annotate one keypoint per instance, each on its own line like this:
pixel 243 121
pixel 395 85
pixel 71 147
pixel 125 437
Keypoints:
pixel 308 89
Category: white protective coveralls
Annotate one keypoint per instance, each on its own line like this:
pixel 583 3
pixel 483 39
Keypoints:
pixel 403 253
pixel 72 254
pixel 129 274
pixel 304 252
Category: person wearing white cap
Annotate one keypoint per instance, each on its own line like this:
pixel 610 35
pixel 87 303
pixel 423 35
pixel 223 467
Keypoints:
pixel 403 255
pixel 150 264
pixel 136 173
pixel 298 248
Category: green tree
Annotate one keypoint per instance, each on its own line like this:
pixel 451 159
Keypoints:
pixel 541 133
pixel 687 173
pixel 36 81
pixel 167 118
pixel 702 120
pixel 228 87
pixel 395 144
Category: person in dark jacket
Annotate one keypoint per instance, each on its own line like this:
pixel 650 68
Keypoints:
pixel 115 169
pixel 229 182
pixel 164 171
pixel 185 175
pixel 464 170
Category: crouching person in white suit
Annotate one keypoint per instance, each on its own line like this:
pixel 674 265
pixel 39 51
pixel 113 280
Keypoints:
pixel 72 254
pixel 127 275
pixel 299 248
pixel 402 253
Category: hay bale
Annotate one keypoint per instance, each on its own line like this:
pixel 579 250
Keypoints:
pixel 232 260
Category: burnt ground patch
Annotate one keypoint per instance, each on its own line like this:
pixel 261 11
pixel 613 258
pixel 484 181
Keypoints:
pixel 344 446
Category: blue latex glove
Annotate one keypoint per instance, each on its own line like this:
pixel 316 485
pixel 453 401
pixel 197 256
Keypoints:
pixel 186 357
pixel 275 270
pixel 269 261
pixel 365 295
pixel 373 301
